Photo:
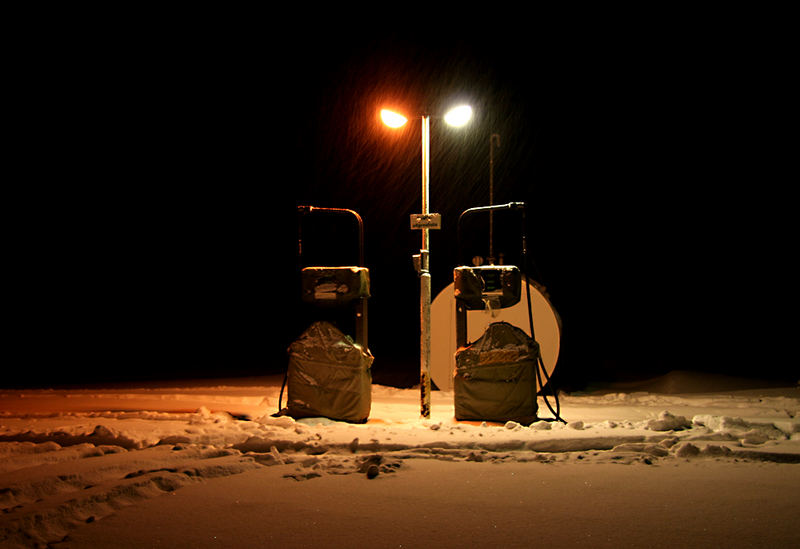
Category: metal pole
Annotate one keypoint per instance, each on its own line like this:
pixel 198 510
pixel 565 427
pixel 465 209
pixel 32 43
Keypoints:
pixel 425 280
pixel 494 138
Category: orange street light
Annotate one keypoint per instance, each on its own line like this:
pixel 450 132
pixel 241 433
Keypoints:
pixel 393 119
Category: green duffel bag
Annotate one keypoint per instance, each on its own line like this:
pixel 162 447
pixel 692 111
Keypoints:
pixel 329 376
pixel 495 377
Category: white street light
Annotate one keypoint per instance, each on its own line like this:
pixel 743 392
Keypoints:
pixel 458 117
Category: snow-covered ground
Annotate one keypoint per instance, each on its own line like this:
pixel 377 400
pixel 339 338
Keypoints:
pixel 71 457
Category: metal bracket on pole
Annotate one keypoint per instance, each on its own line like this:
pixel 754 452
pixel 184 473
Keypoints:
pixel 421 262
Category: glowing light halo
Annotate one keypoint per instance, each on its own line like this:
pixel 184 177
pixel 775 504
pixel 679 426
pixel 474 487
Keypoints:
pixel 393 119
pixel 458 116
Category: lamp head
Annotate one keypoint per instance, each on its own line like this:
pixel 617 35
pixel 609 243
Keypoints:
pixel 458 116
pixel 393 119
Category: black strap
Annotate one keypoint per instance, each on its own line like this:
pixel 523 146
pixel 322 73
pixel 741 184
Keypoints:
pixel 540 369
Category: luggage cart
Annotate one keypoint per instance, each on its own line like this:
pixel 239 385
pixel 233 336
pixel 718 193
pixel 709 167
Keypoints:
pixel 329 372
pixel 496 376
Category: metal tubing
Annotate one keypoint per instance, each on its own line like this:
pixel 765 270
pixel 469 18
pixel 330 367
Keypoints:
pixel 490 209
pixel 425 280
pixel 494 138
pixel 362 337
pixel 310 209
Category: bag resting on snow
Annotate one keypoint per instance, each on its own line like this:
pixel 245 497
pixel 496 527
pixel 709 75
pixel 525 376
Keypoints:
pixel 329 376
pixel 495 377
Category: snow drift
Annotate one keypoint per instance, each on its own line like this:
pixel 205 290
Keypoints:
pixel 71 457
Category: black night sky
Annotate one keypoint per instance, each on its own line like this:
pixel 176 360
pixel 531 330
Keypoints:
pixel 155 231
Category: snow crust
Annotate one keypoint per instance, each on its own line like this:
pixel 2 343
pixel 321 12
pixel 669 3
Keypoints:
pixel 71 457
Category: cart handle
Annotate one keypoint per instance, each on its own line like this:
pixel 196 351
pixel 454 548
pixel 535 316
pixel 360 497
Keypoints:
pixel 509 206
pixel 310 209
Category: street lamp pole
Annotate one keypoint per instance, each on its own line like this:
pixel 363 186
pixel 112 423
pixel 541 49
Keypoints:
pixel 425 278
pixel 424 222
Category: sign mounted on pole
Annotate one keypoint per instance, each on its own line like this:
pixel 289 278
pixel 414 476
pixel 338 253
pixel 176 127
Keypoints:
pixel 426 221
